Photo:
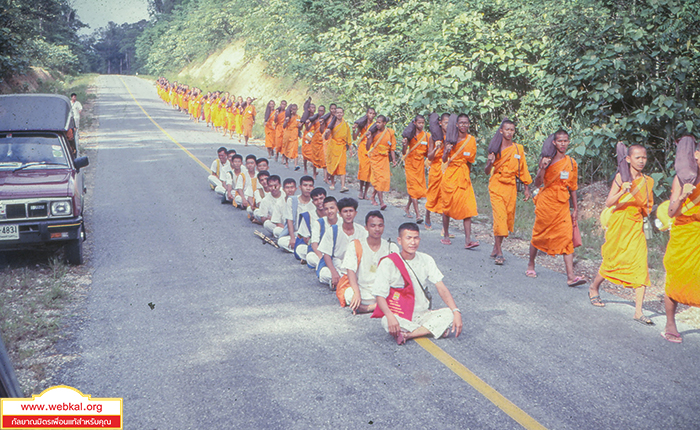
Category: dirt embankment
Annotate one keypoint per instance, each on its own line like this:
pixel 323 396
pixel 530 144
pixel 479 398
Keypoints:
pixel 27 83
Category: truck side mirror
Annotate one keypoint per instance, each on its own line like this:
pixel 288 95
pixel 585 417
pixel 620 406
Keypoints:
pixel 80 162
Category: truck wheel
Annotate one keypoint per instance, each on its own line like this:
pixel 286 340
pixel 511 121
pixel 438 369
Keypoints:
pixel 74 250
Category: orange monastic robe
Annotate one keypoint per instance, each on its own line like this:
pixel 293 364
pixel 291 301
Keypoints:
pixel 503 190
pixel 290 145
pixel 318 148
pixel 248 120
pixel 336 151
pixel 207 110
pixel 682 258
pixel 279 131
pixel 221 114
pixel 364 170
pixel 238 120
pixel 456 191
pixel 307 151
pixel 270 131
pixel 433 202
pixel 383 142
pixel 415 165
pixel 625 248
pixel 231 119
pixel 553 229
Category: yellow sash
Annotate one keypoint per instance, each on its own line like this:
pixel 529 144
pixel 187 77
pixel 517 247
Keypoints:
pixel 376 143
pixel 449 160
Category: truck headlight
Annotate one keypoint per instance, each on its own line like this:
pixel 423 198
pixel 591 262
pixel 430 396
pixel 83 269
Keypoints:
pixel 62 208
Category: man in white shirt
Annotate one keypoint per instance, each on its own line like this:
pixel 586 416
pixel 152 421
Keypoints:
pixel 335 243
pixel 297 211
pixel 217 169
pixel 318 195
pixel 318 230
pixel 248 182
pixel 258 195
pixel 76 108
pixel 233 179
pixel 360 265
pixel 272 207
pixel 391 284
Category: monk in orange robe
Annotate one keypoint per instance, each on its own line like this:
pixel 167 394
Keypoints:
pixel 270 128
pixel 553 229
pixel 456 191
pixel 625 248
pixel 415 151
pixel 316 143
pixel 238 117
pixel 433 201
pixel 682 258
pixel 290 145
pixel 364 169
pixel 380 151
pixel 336 159
pixel 307 152
pixel 206 108
pixel 248 119
pixel 231 109
pixel 505 166
pixel 279 128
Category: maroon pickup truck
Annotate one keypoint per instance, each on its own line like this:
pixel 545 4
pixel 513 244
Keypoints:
pixel 41 186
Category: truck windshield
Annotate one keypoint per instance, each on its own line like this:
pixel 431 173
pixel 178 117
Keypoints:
pixel 31 151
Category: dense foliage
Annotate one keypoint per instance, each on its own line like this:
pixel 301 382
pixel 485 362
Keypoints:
pixel 606 70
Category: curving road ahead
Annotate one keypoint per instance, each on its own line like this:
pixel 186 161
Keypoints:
pixel 241 336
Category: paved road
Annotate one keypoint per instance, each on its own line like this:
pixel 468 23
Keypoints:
pixel 243 337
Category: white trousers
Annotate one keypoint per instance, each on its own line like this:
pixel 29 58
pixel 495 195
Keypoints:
pixel 312 258
pixel 303 251
pixel 436 321
pixel 214 181
pixel 273 228
pixel 350 293
pixel 285 242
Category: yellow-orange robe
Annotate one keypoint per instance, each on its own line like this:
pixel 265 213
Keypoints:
pixel 221 117
pixel 248 120
pixel 318 147
pixel 364 170
pixel 270 131
pixel 231 119
pixel 433 202
pixel 553 229
pixel 207 111
pixel 279 131
pixel 337 148
pixel 415 165
pixel 307 151
pixel 238 119
pixel 625 248
pixel 682 259
pixel 384 141
pixel 290 145
pixel 456 191
pixel 503 190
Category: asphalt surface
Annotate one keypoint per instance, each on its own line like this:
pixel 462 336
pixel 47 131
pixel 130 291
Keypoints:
pixel 242 336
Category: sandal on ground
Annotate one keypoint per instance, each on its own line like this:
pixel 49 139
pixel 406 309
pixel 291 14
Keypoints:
pixel 407 215
pixel 531 274
pixel 452 236
pixel 644 320
pixel 419 221
pixel 446 241
pixel 472 245
pixel 383 207
pixel 345 190
pixel 596 301
pixel 579 280
pixel 500 260
pixel 428 226
pixel 332 187
pixel 673 338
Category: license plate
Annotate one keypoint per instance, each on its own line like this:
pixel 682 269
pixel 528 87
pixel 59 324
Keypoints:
pixel 9 232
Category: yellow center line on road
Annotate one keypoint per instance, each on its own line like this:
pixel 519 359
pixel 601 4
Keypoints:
pixel 482 387
pixel 204 166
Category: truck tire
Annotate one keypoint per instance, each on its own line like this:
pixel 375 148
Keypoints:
pixel 74 250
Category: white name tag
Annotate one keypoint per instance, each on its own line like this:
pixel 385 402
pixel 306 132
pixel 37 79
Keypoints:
pixel 467 154
pixel 564 175
pixel 517 156
pixel 423 143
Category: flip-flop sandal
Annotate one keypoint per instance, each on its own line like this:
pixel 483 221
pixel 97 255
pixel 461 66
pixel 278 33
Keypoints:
pixel 452 236
pixel 579 280
pixel 428 226
pixel 383 207
pixel 345 190
pixel 471 245
pixel 419 221
pixel 375 204
pixel 500 260
pixel 644 320
pixel 446 241
pixel 531 274
pixel 596 301
pixel 407 216
pixel 673 338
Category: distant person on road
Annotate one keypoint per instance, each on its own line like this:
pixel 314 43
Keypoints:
pixel 218 168
pixel 553 230
pixel 280 115
pixel 400 289
pixel 682 258
pixel 248 119
pixel 625 249
pixel 505 166
pixel 433 202
pixel 359 130
pixel 415 149
pixel 270 128
pixel 336 153
pixel 360 265
pixel 76 108
pixel 380 150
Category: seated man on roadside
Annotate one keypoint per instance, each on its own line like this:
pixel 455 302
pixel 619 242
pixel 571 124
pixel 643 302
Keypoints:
pixel 262 164
pixel 296 212
pixel 318 195
pixel 335 243
pixel 272 206
pixel 218 170
pixel 247 180
pixel 360 265
pixel 258 193
pixel 231 194
pixel 400 289
pixel 319 230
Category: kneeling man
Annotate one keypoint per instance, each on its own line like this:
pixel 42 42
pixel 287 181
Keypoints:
pixel 400 289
